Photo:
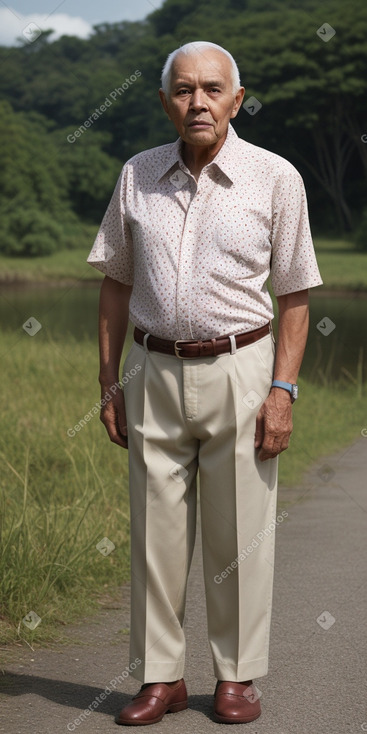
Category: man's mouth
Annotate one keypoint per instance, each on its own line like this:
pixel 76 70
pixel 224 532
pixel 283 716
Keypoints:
pixel 200 124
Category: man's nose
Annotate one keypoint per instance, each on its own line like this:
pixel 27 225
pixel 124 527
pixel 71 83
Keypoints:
pixel 198 100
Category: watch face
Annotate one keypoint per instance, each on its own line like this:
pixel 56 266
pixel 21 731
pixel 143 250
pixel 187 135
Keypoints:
pixel 294 392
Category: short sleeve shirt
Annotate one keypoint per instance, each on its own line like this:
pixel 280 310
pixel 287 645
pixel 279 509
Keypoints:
pixel 199 254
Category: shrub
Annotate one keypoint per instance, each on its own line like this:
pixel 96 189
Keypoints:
pixel 361 234
pixel 29 233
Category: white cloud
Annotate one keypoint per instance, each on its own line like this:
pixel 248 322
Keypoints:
pixel 14 25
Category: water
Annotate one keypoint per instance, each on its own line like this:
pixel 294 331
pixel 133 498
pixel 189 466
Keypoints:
pixel 74 310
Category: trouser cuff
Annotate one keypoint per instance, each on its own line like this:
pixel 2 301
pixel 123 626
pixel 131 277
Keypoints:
pixel 159 672
pixel 245 671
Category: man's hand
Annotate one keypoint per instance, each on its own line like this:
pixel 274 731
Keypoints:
pixel 113 320
pixel 274 420
pixel 113 417
pixel 274 424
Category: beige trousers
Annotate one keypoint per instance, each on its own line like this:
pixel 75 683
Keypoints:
pixel 184 416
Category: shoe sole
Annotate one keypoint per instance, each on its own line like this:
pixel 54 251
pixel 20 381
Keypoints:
pixel 227 720
pixel 173 709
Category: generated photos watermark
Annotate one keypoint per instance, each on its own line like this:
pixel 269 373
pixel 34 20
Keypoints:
pixel 105 546
pixel 71 432
pixel 31 32
pixel 32 326
pixel 246 552
pixel 252 105
pixel 326 326
pixel 31 620
pixel 325 620
pixel 178 473
pixel 326 32
pixel 99 111
pixel 72 725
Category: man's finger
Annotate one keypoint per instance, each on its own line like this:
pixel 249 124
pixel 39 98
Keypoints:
pixel 271 449
pixel 259 431
pixel 124 435
pixel 121 426
pixel 120 431
pixel 116 435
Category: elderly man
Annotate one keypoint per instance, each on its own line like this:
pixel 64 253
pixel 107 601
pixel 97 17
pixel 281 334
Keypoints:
pixel 192 232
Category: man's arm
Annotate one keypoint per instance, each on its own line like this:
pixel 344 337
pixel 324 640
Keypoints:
pixel 113 320
pixel 274 420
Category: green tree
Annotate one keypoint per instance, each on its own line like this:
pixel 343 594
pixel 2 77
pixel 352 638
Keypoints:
pixel 315 90
pixel 33 191
pixel 90 173
pixel 312 94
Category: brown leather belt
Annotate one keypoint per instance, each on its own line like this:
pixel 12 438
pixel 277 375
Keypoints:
pixel 191 349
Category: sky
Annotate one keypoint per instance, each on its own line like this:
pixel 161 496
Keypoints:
pixel 66 17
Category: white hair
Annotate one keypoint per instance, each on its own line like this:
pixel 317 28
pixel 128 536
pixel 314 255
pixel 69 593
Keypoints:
pixel 197 47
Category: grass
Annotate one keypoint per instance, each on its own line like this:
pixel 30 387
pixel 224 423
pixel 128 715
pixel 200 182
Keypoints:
pixel 326 419
pixel 66 265
pixel 342 266
pixel 61 495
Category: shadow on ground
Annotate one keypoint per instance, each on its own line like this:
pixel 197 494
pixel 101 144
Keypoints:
pixel 80 697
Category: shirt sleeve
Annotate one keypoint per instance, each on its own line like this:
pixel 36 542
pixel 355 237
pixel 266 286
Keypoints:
pixel 293 263
pixel 112 252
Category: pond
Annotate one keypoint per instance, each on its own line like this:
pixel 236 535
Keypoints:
pixel 333 347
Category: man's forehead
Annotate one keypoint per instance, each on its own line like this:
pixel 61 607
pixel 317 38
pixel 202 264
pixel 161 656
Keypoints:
pixel 203 79
pixel 207 63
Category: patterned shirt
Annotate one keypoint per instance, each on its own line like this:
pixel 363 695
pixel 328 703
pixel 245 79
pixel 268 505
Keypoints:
pixel 198 254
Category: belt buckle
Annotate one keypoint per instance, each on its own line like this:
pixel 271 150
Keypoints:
pixel 177 349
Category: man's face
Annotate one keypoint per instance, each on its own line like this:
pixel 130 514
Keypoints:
pixel 201 101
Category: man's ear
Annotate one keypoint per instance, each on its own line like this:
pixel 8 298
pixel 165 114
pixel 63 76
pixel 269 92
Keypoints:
pixel 238 101
pixel 162 97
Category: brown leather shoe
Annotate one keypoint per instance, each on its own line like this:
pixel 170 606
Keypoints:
pixel 236 703
pixel 153 701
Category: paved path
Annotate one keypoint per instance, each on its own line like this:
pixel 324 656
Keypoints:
pixel 317 678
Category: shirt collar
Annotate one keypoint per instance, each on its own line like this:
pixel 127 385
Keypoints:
pixel 226 159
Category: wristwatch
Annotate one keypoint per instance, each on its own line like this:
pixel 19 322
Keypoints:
pixel 292 389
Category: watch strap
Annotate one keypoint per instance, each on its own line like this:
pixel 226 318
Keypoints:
pixel 291 388
pixel 285 385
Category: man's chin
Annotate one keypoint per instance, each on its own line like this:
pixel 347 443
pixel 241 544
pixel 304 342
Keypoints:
pixel 200 137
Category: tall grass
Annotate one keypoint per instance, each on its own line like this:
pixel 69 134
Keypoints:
pixel 60 495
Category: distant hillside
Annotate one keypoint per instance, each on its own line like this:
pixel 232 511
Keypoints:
pixel 72 111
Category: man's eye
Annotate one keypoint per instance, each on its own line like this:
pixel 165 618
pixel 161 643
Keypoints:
pixel 183 91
